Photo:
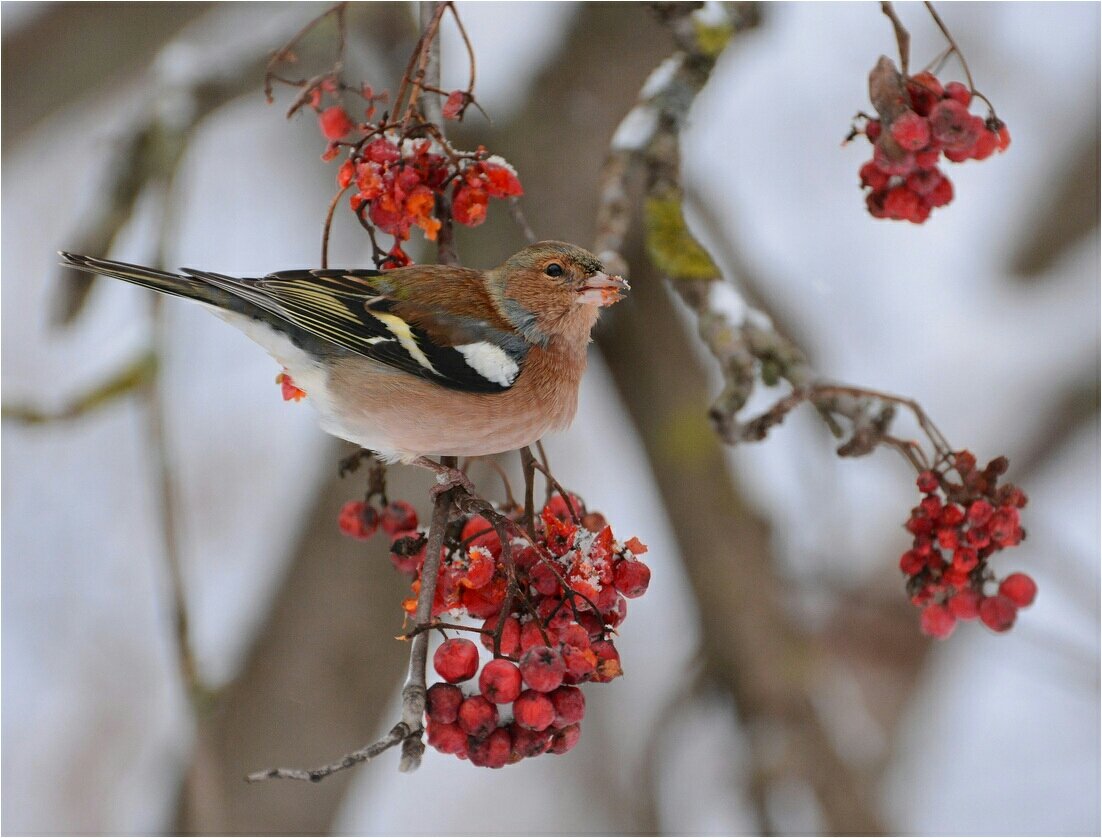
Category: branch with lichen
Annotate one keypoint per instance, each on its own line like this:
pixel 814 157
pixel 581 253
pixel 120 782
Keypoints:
pixel 743 340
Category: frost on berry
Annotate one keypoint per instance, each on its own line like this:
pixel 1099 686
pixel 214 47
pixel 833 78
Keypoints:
pixel 963 520
pixel 920 122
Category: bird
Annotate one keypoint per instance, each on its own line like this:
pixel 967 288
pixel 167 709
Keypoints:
pixel 420 360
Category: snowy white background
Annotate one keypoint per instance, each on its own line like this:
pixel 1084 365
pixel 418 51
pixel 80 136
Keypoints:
pixel 1002 736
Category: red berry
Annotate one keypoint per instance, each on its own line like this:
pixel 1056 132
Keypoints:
pixel 872 130
pixel 542 668
pixel 557 506
pixel 924 91
pixel 544 579
pixel 986 143
pixel 951 124
pixel 477 716
pixel 965 605
pixel 872 177
pixel 334 123
pixel 616 613
pixel 965 558
pixel 345 173
pixel 911 131
pixel 456 660
pixel 455 104
pixel 941 194
pixel 902 165
pixel 956 90
pixel 407 551
pixel 1004 527
pixel 928 158
pixel 874 201
pixel 631 577
pixel 911 563
pixel 980 512
pixel 951 515
pixel 998 612
pixel 923 181
pixel 499 681
pixel 447 738
pixel 1004 137
pixel 565 739
pixel 979 537
pixel 938 621
pixel 492 752
pixel 927 482
pixel 529 743
pixel 608 661
pixel 569 704
pixel 947 538
pixel 901 203
pixel 399 516
pixel 358 520
pixel 510 635
pixel 575 635
pixel 579 663
pixel 532 635
pixel 442 703
pixel 1019 589
pixel 534 710
pixel 478 532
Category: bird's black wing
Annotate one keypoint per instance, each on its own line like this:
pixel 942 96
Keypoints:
pixel 358 310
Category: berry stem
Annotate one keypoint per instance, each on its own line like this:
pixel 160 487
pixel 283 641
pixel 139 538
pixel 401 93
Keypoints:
pixel 953 48
pixel 902 36
pixel 328 226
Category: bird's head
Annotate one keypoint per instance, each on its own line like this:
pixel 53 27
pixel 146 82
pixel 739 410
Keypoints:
pixel 553 288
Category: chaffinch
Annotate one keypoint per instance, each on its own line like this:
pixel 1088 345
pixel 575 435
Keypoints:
pixel 426 359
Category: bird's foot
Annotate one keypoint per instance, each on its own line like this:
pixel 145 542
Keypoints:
pixel 447 478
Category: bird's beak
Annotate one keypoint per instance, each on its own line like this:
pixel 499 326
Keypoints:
pixel 602 290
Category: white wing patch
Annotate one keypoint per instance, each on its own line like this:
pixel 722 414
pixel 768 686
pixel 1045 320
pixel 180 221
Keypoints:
pixel 490 361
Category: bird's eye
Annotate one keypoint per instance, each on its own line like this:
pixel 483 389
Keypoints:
pixel 554 269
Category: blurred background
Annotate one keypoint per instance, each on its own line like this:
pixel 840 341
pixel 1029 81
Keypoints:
pixel 776 680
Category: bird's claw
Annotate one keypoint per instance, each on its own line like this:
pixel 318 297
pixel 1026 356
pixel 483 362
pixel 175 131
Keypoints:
pixel 448 479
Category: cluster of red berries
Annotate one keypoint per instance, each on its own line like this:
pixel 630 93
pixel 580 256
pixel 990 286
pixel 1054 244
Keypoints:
pixel 957 527
pixel 360 520
pixel 402 182
pixel 904 180
pixel 546 611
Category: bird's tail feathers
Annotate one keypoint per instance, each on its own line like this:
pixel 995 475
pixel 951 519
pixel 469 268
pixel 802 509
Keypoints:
pixel 167 283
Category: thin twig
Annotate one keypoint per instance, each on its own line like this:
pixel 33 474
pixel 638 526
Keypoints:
pixel 398 734
pixel 952 45
pixel 327 226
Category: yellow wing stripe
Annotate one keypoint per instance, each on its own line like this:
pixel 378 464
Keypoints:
pixel 400 329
